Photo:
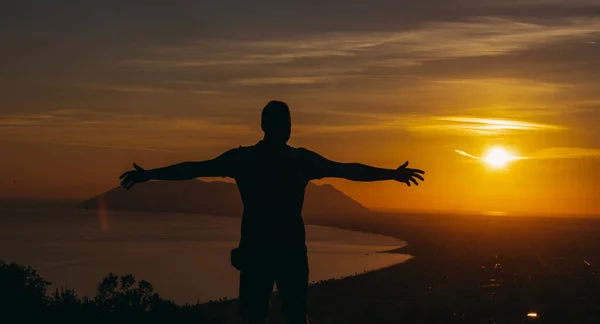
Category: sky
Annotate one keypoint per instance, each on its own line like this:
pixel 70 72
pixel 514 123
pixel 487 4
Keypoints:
pixel 88 87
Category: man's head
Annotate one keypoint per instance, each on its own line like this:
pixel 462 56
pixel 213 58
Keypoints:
pixel 276 121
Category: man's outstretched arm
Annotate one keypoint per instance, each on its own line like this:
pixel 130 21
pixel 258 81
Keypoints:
pixel 358 172
pixel 218 167
pixel 362 172
pixel 323 168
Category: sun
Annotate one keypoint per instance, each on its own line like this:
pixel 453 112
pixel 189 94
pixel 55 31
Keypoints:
pixel 498 157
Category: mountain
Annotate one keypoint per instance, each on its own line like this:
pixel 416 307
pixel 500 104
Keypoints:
pixel 215 198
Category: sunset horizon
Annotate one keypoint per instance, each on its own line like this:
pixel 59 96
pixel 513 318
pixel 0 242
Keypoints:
pixel 314 161
pixel 439 88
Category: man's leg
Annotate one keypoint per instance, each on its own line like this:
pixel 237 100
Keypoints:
pixel 256 286
pixel 292 285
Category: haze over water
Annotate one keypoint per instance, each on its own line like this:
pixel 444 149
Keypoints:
pixel 185 256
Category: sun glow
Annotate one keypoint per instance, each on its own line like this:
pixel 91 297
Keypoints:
pixel 498 157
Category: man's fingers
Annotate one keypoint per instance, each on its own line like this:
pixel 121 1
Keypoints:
pixel 126 182
pixel 130 185
pixel 414 181
pixel 407 183
pixel 124 175
pixel 418 171
pixel 137 167
pixel 403 165
pixel 418 176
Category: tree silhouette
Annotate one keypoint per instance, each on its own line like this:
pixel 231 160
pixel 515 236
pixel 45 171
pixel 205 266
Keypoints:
pixel 119 299
pixel 116 293
pixel 22 290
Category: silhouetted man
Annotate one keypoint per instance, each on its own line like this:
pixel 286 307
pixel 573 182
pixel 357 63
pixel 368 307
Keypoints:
pixel 272 177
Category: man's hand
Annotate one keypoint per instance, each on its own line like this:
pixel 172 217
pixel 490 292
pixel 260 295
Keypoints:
pixel 407 175
pixel 130 178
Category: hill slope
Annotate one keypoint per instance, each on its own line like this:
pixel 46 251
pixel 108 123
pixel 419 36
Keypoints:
pixel 214 198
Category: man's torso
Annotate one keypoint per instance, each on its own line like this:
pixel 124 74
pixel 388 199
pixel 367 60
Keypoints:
pixel 272 183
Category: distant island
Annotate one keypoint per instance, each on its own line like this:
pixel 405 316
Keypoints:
pixel 216 198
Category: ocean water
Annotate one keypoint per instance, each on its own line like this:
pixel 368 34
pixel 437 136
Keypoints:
pixel 185 256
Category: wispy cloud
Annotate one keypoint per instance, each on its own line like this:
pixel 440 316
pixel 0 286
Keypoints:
pixel 520 111
pixel 488 36
pixel 550 153
pixel 115 147
pixel 144 89
pixel 496 124
pixel 128 88
pixel 510 83
pixel 312 130
pixel 567 153
pixel 120 131
pixel 467 154
pixel 480 126
pixel 281 80
pixel 481 36
pixel 457 125
pixel 320 58
pixel 222 59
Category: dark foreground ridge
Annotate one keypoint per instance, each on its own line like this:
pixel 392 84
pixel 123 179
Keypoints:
pixel 467 269
pixel 24 298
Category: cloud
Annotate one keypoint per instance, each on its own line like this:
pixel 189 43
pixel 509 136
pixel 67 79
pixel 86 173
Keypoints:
pixel 480 36
pixel 114 147
pixel 480 126
pixel 573 3
pixel 552 153
pixel 566 153
pixel 223 59
pixel 281 80
pixel 121 131
pixel 147 89
pixel 520 84
pixel 16 121
pixel 128 88
pixel 466 154
pixel 417 123
pixel 486 36
pixel 419 68
pixel 206 92
pixel 26 119
pixel 488 123
pixel 313 130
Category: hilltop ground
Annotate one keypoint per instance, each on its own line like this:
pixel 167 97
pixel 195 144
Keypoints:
pixel 467 269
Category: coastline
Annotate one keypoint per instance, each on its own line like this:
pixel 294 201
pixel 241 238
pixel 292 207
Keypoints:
pixel 343 265
pixel 467 269
pixel 225 308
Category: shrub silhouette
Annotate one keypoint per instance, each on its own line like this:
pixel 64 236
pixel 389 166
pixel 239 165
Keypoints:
pixel 125 299
pixel 64 304
pixel 22 290
pixel 67 298
pixel 119 299
pixel 116 293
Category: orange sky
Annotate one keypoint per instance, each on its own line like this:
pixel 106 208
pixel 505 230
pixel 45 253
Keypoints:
pixel 88 90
